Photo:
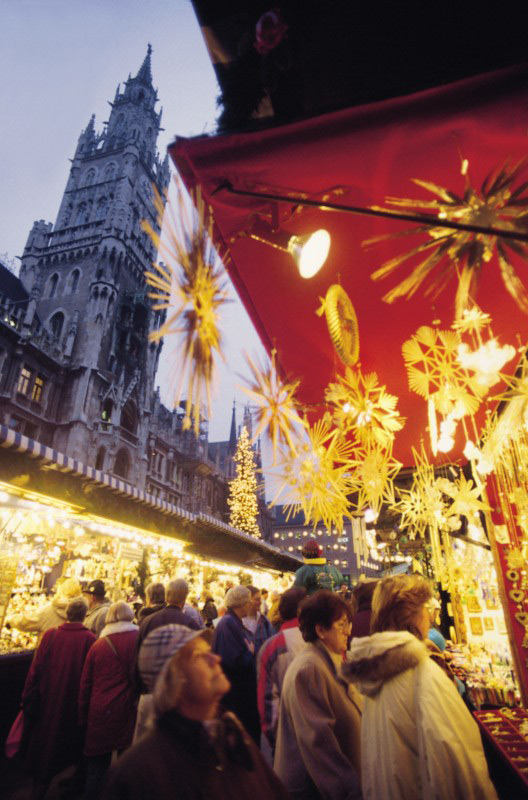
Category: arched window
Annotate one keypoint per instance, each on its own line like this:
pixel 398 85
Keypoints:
pixel 102 208
pixel 129 417
pixel 89 178
pixel 82 215
pixel 56 324
pixel 100 457
pixel 74 281
pixel 52 285
pixel 122 464
pixel 110 171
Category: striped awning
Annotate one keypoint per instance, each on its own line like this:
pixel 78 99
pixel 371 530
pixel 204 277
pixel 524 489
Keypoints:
pixel 12 440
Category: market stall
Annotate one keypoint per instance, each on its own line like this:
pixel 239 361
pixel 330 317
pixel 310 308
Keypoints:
pixel 401 346
pixel 44 540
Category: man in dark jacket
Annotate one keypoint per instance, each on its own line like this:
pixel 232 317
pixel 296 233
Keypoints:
pixel 172 613
pixel 316 573
pixel 191 751
pixel 235 645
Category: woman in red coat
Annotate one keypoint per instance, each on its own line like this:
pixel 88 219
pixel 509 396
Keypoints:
pixel 107 698
pixel 56 738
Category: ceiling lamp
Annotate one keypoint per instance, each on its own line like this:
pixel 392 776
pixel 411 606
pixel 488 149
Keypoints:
pixel 309 251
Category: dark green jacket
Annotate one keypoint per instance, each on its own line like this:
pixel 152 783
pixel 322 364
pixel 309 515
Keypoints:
pixel 307 576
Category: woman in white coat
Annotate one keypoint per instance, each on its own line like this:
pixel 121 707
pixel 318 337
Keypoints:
pixel 418 740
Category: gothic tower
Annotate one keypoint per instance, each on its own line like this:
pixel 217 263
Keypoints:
pixel 85 280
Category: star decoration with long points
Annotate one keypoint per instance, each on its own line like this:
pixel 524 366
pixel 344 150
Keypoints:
pixel 274 406
pixel 459 254
pixel 191 287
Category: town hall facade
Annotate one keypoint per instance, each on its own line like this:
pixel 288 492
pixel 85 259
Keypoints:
pixel 77 368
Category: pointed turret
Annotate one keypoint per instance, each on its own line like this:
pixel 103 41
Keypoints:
pixel 89 131
pixel 233 432
pixel 247 423
pixel 145 71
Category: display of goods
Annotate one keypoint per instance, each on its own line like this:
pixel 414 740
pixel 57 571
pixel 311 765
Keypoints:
pixel 508 731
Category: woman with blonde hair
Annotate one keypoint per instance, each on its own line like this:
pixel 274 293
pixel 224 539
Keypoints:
pixel 418 740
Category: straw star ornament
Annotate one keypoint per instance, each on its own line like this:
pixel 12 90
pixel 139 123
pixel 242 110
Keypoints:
pixel 314 477
pixel 373 470
pixel 361 405
pixel 274 405
pixel 459 254
pixel 191 289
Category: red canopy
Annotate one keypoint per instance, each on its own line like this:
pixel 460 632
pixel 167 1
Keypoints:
pixel 367 153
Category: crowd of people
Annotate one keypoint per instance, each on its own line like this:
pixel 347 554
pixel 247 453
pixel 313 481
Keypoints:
pixel 317 694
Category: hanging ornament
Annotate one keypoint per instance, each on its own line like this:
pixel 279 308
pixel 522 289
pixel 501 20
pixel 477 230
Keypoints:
pixel 465 496
pixel 486 361
pixel 372 476
pixel 342 323
pixel 423 506
pixel 313 477
pixel 518 388
pixel 274 406
pixel 462 254
pixel 361 405
pixel 191 288
pixel 434 371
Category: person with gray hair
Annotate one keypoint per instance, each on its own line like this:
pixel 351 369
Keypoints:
pixel 172 614
pixel 50 695
pixel 193 750
pixel 155 597
pixel 108 697
pixel 234 644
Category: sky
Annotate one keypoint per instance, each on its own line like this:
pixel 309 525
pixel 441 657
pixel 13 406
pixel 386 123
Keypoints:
pixel 60 62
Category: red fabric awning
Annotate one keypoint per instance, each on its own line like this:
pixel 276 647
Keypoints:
pixel 366 153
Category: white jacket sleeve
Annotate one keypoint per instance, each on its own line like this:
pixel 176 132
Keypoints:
pixel 453 765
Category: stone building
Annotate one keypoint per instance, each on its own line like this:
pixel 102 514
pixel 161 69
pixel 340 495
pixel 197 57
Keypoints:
pixel 77 369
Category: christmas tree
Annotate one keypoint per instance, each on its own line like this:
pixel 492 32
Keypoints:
pixel 242 498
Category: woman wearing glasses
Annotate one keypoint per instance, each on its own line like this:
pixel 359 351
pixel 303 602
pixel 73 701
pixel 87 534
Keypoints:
pixel 317 754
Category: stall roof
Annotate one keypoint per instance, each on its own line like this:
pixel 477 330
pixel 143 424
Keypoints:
pixel 206 535
pixel 359 156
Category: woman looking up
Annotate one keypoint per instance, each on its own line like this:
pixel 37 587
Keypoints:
pixel 193 750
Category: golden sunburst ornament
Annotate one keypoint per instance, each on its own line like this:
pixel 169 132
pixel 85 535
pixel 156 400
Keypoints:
pixel 373 470
pixel 361 405
pixel 462 254
pixel 275 408
pixel 191 288
pixel 422 506
pixel 313 477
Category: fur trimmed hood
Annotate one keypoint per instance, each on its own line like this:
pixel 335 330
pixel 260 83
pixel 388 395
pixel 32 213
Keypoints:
pixel 374 660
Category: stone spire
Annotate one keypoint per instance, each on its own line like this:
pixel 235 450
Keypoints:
pixel 233 432
pixel 145 72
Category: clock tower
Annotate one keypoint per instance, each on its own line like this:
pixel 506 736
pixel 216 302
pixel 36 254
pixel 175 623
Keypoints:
pixel 85 280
